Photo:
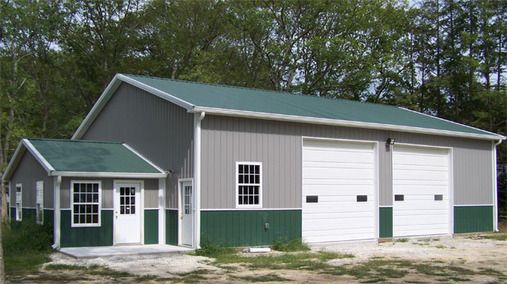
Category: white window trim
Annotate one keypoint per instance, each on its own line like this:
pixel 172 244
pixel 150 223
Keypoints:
pixel 41 202
pixel 72 203
pixel 248 206
pixel 19 214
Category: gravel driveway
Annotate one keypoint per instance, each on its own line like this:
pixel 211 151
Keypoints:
pixel 470 258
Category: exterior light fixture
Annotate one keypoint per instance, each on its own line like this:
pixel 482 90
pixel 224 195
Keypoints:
pixel 390 141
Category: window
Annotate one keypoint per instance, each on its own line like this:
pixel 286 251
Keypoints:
pixel 85 203
pixel 249 190
pixel 39 202
pixel 19 204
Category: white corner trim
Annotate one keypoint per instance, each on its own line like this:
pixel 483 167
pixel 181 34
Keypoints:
pixel 345 123
pixel 143 158
pixel 198 117
pixel 47 166
pixel 161 211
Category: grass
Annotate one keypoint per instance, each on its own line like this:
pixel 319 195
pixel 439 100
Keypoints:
pixel 497 237
pixel 290 246
pixel 263 278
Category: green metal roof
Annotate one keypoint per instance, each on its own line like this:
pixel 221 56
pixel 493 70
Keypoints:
pixel 270 102
pixel 91 156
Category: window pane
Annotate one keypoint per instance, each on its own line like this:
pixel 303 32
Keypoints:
pixel 76 219
pixel 89 187
pixel 76 187
pixel 96 218
pixel 76 209
pixel 95 187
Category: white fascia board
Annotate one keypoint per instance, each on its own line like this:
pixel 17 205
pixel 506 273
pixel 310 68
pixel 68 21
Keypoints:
pixel 157 92
pixel 345 123
pixel 16 157
pixel 45 164
pixel 107 174
pixel 97 107
pixel 143 158
pixel 108 93
pixel 499 137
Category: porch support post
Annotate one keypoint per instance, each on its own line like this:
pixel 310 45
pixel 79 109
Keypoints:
pixel 161 211
pixel 57 181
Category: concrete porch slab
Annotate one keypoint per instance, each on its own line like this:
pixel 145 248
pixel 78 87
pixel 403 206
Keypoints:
pixel 92 252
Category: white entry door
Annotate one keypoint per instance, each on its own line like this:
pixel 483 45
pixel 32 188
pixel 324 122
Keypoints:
pixel 187 213
pixel 127 213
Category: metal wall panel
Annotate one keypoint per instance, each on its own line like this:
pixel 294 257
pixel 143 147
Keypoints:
pixel 156 128
pixel 28 172
pixel 151 193
pixel 227 140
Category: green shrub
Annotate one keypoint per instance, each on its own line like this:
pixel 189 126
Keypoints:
pixel 289 246
pixel 26 236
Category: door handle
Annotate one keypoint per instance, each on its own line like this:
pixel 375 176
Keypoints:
pixel 116 214
pixel 181 217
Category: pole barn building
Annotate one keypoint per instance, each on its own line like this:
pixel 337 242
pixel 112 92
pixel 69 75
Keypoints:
pixel 160 161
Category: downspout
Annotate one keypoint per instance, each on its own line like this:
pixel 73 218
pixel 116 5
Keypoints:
pixel 495 186
pixel 198 117
pixel 57 213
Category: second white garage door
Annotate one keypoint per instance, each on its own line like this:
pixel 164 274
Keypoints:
pixel 421 191
pixel 338 191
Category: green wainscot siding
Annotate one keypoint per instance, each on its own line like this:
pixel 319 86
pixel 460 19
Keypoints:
pixel 473 219
pixel 150 227
pixel 171 225
pixel 248 227
pixel 385 222
pixel 86 236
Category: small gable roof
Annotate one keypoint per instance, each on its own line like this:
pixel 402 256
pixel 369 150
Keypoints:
pixel 81 158
pixel 263 104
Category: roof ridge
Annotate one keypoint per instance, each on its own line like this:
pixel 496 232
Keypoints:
pixel 263 90
pixel 73 141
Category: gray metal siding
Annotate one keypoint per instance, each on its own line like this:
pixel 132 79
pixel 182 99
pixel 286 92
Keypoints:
pixel 151 193
pixel 28 172
pixel 278 145
pixel 156 128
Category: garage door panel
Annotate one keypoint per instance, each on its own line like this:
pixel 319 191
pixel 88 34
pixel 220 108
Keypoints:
pixel 419 174
pixel 342 173
pixel 337 172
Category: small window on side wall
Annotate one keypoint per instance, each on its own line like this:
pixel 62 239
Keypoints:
pixel 249 184
pixel 39 203
pixel 19 202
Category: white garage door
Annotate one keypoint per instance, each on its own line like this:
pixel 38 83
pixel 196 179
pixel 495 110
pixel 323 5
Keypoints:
pixel 421 191
pixel 338 191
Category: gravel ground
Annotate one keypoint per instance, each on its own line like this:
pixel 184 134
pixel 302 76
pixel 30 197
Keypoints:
pixel 469 252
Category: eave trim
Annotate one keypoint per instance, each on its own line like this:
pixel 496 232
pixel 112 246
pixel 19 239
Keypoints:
pixel 107 174
pixel 345 123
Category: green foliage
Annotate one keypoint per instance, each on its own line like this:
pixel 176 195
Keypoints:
pixel 213 249
pixel 26 246
pixel 444 58
pixel 26 237
pixel 290 246
pixel 497 237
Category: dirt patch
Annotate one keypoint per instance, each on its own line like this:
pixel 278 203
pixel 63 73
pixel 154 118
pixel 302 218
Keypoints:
pixel 463 258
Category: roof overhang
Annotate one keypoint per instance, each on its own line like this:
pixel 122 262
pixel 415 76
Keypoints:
pixel 346 123
pixel 119 78
pixel 25 145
